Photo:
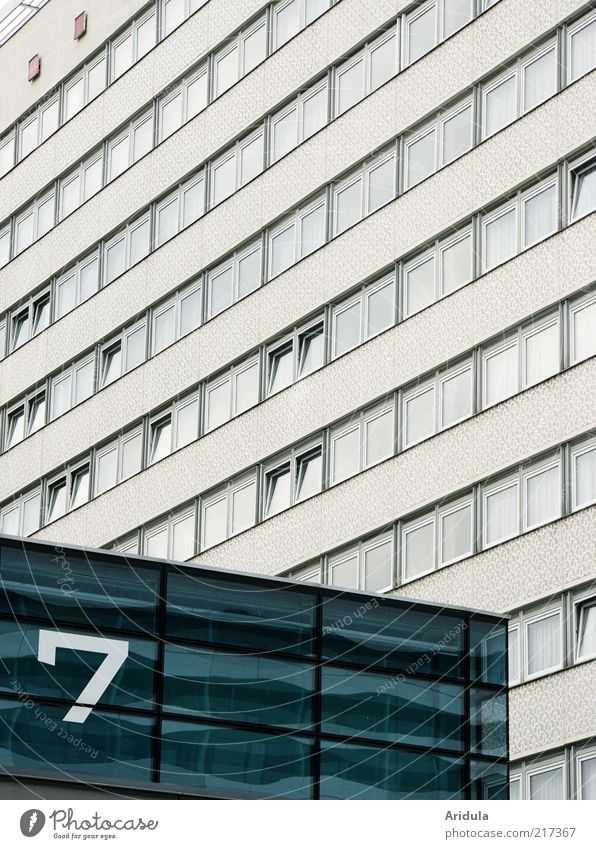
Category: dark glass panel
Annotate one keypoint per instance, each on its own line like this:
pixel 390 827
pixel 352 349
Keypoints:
pixel 227 761
pixel 488 719
pixel 489 781
pixel 431 713
pixel 235 612
pixel 21 671
pixel 429 777
pixel 73 587
pixel 240 688
pixel 487 652
pixel 106 745
pixel 391 636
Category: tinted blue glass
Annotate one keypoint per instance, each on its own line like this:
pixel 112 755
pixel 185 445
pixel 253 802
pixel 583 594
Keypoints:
pixel 240 688
pixel 390 636
pixel 489 780
pixel 228 761
pixel 488 719
pixel 431 713
pixel 240 613
pixel 21 671
pixel 364 772
pixel 111 746
pixel 487 652
pixel 69 586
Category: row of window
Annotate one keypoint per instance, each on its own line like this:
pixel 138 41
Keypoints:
pixel 427 148
pixel 522 221
pixel 555 634
pixel 570 774
pixel 115 57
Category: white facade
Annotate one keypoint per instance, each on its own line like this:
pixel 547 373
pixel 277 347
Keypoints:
pixel 307 288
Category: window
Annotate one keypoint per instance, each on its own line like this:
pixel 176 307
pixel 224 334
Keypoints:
pixel 34 222
pixel 420 31
pixel 22 516
pixel 288 481
pixel 118 460
pixel 2 339
pixel 300 120
pixel 307 574
pixel 583 187
pixel 36 128
pixel 124 353
pixel 129 145
pixel 290 16
pixel 298 235
pixel 437 403
pixel 173 428
pixel 228 511
pixel 540 350
pixel 24 418
pixel 581 46
pixel 127 247
pixel 7 153
pixel 541 493
pixel 176 317
pixel 582 327
pixel 5 245
pixel 295 356
pixel 134 43
pixel 180 105
pixel 234 279
pixel 418 547
pixel 367 565
pixel 499 231
pixel 437 272
pixel 29 321
pixel 583 474
pixel 585 617
pixel 67 492
pixel 539 213
pixel 84 86
pixel 237 166
pixel 173 538
pixel 239 56
pixel 439 142
pixel 438 538
pixel 179 209
pixel 543 637
pixel 586 775
pixel 501 511
pixel 364 440
pixel 513 655
pixel 364 191
pixel 80 185
pixel 233 392
pixel 77 284
pixel 71 386
pixel 546 783
pixel 370 68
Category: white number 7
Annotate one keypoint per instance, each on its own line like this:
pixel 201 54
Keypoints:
pixel 116 652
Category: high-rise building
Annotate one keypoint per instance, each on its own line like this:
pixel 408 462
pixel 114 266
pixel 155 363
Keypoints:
pixel 306 288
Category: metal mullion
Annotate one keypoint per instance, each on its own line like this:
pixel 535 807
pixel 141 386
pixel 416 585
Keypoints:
pixel 317 698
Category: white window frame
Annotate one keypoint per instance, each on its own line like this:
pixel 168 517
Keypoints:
pixel 531 471
pixel 358 551
pixel 229 377
pixel 235 153
pixel 455 506
pixel 576 306
pixel 168 524
pixel 492 350
pixel 499 485
pixel 290 459
pixel 410 525
pixel 552 611
pixel 19 504
pixel 585 600
pixel 228 491
pixel 233 262
pixel 583 447
pixel 76 271
pixel 586 162
pixel 580 757
pixel 72 372
pixel 237 43
pixel 359 422
pixel 573 30
pixel 294 221
pixel 297 106
pixel 516 626
pixel 546 767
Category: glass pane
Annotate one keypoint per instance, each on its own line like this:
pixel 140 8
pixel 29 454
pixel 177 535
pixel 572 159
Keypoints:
pixel 501 375
pixel 540 216
pixel 93 178
pixel 122 57
pixel 420 286
pixel 96 80
pixel 586 639
pixel 249 272
pixel 74 99
pixel 282 250
pixel 346 455
pixel 131 456
pixel 543 497
pixel 312 350
pixel 255 48
pixel 583 50
pixel 246 388
pixel 489 781
pixel 540 79
pixel 281 370
pixel 488 716
pixel 500 239
pixel 314 8
pixel 378 438
pixel 420 416
pixel 190 311
pixel 251 160
pixel 500 107
pixel 196 95
pixel 456 14
pixel 541 354
pixel 487 650
pixel 348 206
pixel 187 423
pixel 61 396
pixel 421 159
pixel 161 439
pixel 346 326
pixel 380 311
pixel 501 515
pixel 221 289
pixel 25 233
pixel 139 242
pixel 145 33
pixel 115 260
pixel 88 279
pixel 156 543
pixel 174 14
pixel 28 138
pixel 183 538
pixel 117 158
pixel 135 348
pixel 584 192
pixel 350 86
pixel 585 478
pixel 214 523
pixel 344 573
pixel 285 134
pixel 287 22
pixel 69 197
pixel 84 382
pixel 224 179
pixel 314 113
pixel 456 534
pixel 456 398
pixel 218 404
pixel 456 265
pixel 309 471
pixel 226 71
pixel 547 784
pixel 457 134
pixel 419 550
pixel 278 490
pixel 111 365
pixel 313 230
pixel 513 656
pixel 243 508
pixel 378 567
pixel 167 221
pixel 164 329
pixel 421 34
pixel 192 202
pixel 383 62
pixel 583 331
pixel 587 772
pixel 381 185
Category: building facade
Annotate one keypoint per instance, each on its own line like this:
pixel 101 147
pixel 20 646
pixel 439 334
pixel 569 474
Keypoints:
pixel 307 288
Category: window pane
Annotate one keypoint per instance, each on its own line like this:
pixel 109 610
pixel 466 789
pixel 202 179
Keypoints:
pixel 501 239
pixel 192 202
pixel 540 79
pixel 344 573
pixel 96 80
pixel 61 396
pixel 456 14
pixel 456 533
pixel 281 370
pixel 174 14
pixel 243 508
pixel 111 365
pixel 586 637
pixel 28 140
pixel 346 455
pixel 540 216
pixel 164 329
pixel 45 217
pixel 379 310
pixel 246 388
pixel 313 9
pixel 285 134
pixel 7 148
pixel 346 327
pixel 183 538
pixel 84 381
pixel 25 233
pixel 167 221
pixel 500 106
pixel 221 290
pixel 420 416
pixel 350 85
pixel 139 242
pixel 419 550
pixel 69 197
pixel 214 523
pixel 156 543
pixel 378 568
pixel 457 135
pixel 249 272
pixel 456 398
pixel 314 113
pixel 31 515
pixel 131 456
pixel 226 71
pixel 544 643
pixel 190 311
pixel 583 50
pixel 196 95
pixel 56 501
pixel 541 354
pixel 251 160
pixel 118 158
pixel 115 260
pixel 187 423
pixel 381 185
pixel 135 348
pixel 500 375
pixel 122 56
pixel 513 655
pixel 421 158
pixel 421 34
pixel 224 179
pixel 88 279
pixel 456 263
pixel 255 49
pixel 312 350
pixel 161 439
pixel 74 99
pixel 93 178
pixel 309 470
pixel 282 250
pixel 501 516
pixel 79 488
pixel 278 490
pixel 145 36
pixel 378 438
pixel 218 404
pixel 584 192
pixel 543 497
pixel 585 478
pixel 383 62
pixel 587 772
pixel 312 230
pixel 142 139
pixel 348 206
pixel 420 286
pixel 16 428
pixel 583 331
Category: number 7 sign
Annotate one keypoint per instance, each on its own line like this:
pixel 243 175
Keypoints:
pixel 116 652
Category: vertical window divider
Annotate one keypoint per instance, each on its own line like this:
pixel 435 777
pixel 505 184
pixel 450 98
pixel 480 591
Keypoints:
pixel 477 518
